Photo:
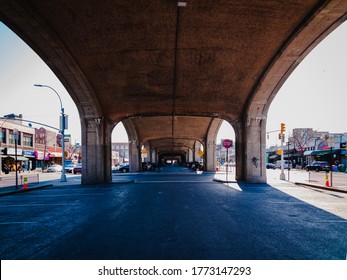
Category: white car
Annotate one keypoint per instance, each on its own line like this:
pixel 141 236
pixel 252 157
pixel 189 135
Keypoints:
pixel 55 168
pixel 286 164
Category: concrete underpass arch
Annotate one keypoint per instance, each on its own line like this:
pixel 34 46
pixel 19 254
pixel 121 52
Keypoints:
pixel 251 127
pixel 45 34
pixel 94 127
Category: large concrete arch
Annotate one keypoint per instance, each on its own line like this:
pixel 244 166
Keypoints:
pixel 94 126
pixel 252 126
pixel 173 67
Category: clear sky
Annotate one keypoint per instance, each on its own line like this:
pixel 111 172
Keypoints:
pixel 314 96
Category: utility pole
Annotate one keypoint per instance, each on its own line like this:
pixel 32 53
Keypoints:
pixel 283 129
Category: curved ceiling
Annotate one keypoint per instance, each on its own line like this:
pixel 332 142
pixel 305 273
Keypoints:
pixel 172 69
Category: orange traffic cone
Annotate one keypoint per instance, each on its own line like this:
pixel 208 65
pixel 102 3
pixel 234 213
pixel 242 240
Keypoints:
pixel 327 180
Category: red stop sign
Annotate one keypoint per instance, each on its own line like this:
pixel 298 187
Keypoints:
pixel 227 143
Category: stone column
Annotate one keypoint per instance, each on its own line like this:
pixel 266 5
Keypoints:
pixel 134 156
pixel 250 150
pixel 197 145
pixel 96 151
pixel 210 145
pixel 210 155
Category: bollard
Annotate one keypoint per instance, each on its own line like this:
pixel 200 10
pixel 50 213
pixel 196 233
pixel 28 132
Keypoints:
pixel 25 186
pixel 327 179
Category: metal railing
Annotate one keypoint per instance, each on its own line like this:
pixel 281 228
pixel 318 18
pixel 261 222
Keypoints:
pixel 28 179
pixel 328 179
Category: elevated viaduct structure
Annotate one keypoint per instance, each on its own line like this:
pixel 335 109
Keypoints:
pixel 171 71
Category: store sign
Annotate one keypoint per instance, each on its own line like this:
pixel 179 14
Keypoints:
pixel 12 151
pixel 29 153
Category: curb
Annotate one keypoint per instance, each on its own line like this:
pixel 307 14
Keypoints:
pixel 224 181
pixel 21 190
pixel 320 187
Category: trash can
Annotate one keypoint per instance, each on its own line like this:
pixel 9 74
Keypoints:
pixel 342 168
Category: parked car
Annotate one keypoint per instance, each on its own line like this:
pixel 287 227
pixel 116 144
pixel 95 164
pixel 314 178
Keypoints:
pixel 286 164
pixel 55 168
pixel 124 168
pixel 69 168
pixel 77 169
pixel 318 166
pixel 270 166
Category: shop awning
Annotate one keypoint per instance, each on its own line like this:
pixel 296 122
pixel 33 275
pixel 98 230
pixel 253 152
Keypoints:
pixel 273 157
pixel 55 154
pixel 328 152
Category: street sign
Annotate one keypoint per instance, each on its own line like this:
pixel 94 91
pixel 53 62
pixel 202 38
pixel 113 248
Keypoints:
pixel 227 143
pixel 200 153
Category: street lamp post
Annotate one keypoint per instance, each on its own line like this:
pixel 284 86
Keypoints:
pixel 1 135
pixel 15 134
pixel 62 128
pixel 5 118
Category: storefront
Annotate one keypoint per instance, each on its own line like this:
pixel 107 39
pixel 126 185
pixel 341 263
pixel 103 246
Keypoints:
pixel 12 161
pixel 30 164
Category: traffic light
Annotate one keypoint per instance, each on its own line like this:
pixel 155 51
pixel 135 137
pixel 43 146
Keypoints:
pixel 279 136
pixel 325 137
pixel 283 127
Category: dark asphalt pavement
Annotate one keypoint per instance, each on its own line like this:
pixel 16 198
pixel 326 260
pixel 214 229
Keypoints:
pixel 167 216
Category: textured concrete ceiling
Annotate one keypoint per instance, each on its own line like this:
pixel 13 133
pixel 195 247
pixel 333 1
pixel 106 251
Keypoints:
pixel 150 58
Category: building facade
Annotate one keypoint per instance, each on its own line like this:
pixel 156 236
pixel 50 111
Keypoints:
pixel 17 146
pixel 306 145
pixel 120 153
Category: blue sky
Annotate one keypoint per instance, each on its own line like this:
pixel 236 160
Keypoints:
pixel 313 96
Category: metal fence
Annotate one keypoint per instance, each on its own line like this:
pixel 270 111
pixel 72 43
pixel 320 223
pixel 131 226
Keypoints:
pixel 28 179
pixel 328 179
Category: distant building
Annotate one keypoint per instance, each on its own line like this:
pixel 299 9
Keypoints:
pixel 306 145
pixel 36 147
pixel 25 148
pixel 121 150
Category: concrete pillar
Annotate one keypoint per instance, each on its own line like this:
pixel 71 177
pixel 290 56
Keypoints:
pixel 96 151
pixel 197 146
pixel 210 145
pixel 153 155
pixel 250 150
pixel 210 155
pixel 191 154
pixel 147 146
pixel 134 156
pixel 134 145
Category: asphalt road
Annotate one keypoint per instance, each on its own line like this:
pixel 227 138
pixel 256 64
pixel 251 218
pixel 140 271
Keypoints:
pixel 170 215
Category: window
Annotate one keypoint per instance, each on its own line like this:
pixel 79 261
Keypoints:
pixel 12 137
pixel 3 135
pixel 28 140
